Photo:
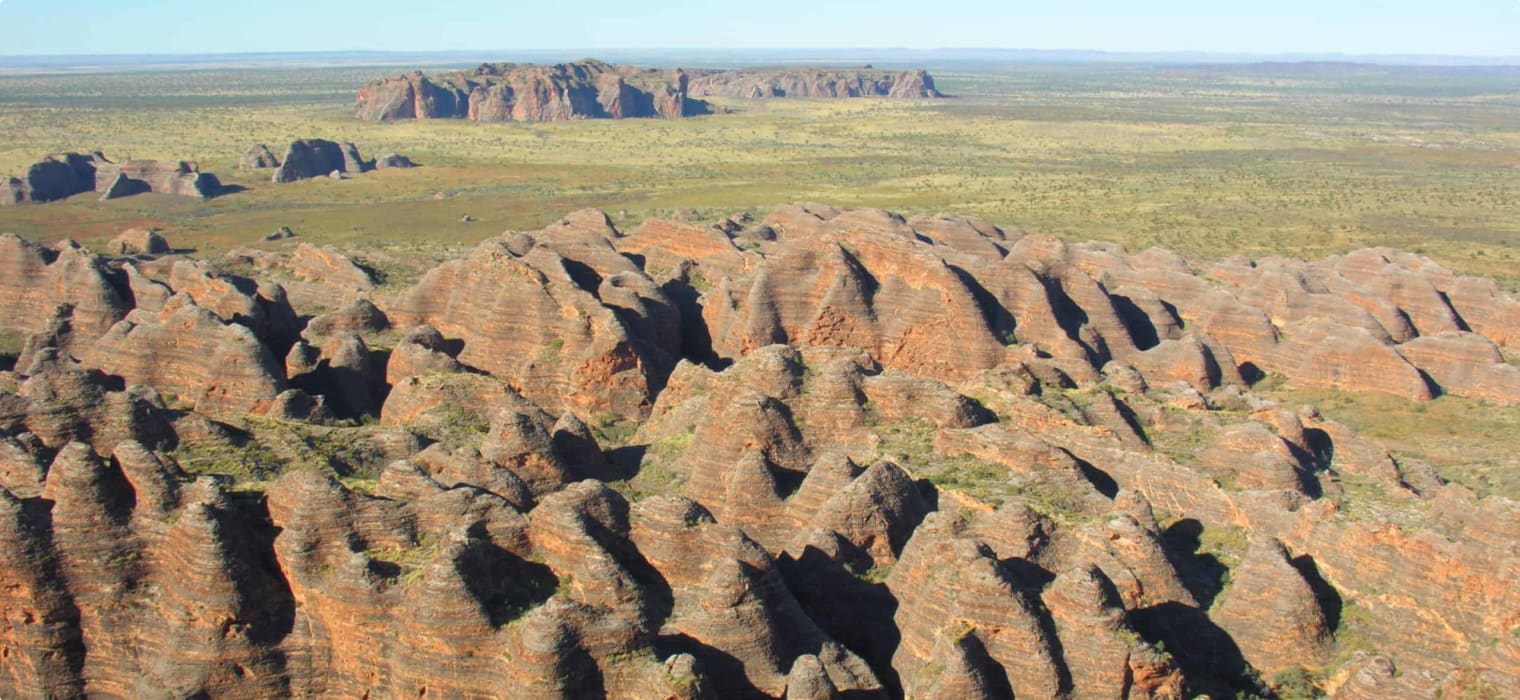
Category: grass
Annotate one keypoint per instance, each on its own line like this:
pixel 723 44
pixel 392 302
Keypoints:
pixel 11 344
pixel 876 574
pixel 453 425
pixel 250 463
pixel 1353 634
pixel 410 562
pixel 1207 162
pixel 1467 441
pixel 656 475
pixel 613 431
pixel 264 448
pixel 911 444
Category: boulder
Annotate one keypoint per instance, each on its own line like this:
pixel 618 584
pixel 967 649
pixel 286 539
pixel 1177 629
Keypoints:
pixel 139 241
pixel 181 178
pixel 392 160
pixel 258 158
pixel 311 158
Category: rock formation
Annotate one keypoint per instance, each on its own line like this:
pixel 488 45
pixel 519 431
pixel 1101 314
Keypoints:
pixel 258 158
pixel 180 178
pixel 392 160
pixel 812 82
pixel 310 158
pixel 139 241
pixel 815 454
pixel 64 175
pixel 58 176
pixel 595 90
pixel 520 92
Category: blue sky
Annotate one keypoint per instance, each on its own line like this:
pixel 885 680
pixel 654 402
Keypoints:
pixel 1466 27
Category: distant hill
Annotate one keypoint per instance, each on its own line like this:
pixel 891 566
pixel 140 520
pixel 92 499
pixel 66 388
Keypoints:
pixel 592 89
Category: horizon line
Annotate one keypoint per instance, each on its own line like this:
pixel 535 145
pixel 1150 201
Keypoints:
pixel 589 52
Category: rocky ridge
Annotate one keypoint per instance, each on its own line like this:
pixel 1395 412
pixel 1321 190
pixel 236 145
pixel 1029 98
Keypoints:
pixel 820 454
pixel 812 82
pixel 592 89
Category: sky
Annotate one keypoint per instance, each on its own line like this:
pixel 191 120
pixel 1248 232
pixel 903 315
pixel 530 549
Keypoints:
pixel 1452 27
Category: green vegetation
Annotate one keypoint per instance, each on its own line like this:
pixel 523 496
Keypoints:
pixel 680 682
pixel 255 450
pixel 410 562
pixel 452 425
pixel 1209 162
pixel 11 344
pixel 1353 633
pixel 876 574
pixel 612 431
pixel 549 353
pixel 1467 441
pixel 247 463
pixel 1296 684
pixel 911 443
pixel 656 474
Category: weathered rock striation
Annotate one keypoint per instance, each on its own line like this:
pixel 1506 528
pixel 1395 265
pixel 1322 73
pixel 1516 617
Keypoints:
pixel 521 92
pixel 815 454
pixel 592 89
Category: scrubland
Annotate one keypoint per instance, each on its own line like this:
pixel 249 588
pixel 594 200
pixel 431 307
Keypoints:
pixel 1288 160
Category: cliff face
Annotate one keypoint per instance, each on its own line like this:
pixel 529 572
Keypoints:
pixel 512 92
pixel 812 82
pixel 821 454
pixel 596 90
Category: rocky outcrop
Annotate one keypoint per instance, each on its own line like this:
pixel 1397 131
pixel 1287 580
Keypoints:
pixel 311 158
pixel 519 92
pixel 594 90
pixel 187 350
pixel 812 82
pixel 64 175
pixel 59 176
pixel 392 160
pixel 560 315
pixel 139 241
pixel 814 454
pixel 180 178
pixel 1465 364
pixel 1272 613
pixel 258 158
pixel 316 279
pixel 62 288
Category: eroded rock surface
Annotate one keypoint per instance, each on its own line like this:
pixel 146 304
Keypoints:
pixel 814 454
pixel 521 92
pixel 64 175
pixel 592 89
pixel 812 82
